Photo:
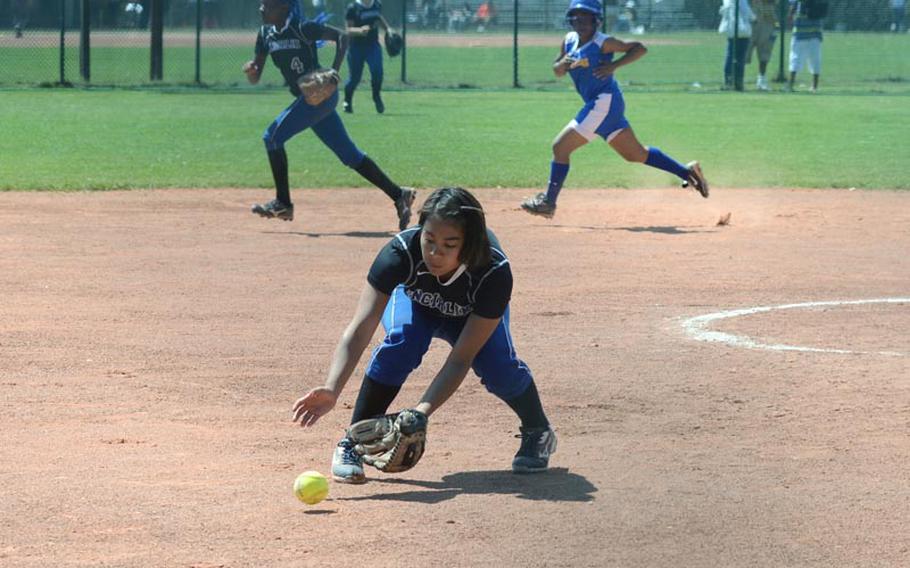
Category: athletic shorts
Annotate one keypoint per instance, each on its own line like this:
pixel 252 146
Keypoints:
pixel 604 117
pixel 806 51
pixel 763 37
pixel 409 331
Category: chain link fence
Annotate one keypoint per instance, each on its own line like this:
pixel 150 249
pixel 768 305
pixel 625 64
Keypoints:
pixel 449 43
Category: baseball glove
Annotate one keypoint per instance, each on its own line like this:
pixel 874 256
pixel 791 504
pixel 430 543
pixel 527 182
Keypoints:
pixel 391 443
pixel 393 44
pixel 318 85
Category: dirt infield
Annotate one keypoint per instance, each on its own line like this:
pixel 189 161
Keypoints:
pixel 152 343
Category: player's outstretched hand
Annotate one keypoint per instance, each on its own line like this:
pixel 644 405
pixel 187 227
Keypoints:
pixel 313 405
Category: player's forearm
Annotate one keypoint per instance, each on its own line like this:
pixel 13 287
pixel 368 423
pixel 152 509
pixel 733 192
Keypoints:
pixel 634 54
pixel 340 50
pixel 444 385
pixel 352 345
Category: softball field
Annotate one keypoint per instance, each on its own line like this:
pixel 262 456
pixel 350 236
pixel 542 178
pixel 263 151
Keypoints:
pixel 724 395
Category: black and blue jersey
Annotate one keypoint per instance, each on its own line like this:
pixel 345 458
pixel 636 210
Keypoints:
pixel 362 16
pixel 485 291
pixel 292 47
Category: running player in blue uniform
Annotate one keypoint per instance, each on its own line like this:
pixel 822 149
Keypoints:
pixel 364 18
pixel 291 42
pixel 587 56
pixel 446 278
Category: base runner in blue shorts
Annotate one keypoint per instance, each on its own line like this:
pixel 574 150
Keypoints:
pixel 587 56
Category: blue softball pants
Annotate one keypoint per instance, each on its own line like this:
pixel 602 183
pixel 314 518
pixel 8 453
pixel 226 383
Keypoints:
pixel 409 332
pixel 324 121
pixel 370 54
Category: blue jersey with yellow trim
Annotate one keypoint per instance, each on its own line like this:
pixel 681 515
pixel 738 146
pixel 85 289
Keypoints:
pixel 589 57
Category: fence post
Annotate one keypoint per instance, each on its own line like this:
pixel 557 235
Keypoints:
pixel 515 83
pixel 404 41
pixel 782 16
pixel 85 63
pixel 198 41
pixel 156 23
pixel 62 42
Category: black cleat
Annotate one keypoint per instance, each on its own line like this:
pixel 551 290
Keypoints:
pixel 696 179
pixel 538 205
pixel 536 447
pixel 275 209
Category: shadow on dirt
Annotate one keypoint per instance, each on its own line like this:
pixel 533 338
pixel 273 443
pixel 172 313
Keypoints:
pixel 558 484
pixel 354 234
pixel 661 230
pixel 668 230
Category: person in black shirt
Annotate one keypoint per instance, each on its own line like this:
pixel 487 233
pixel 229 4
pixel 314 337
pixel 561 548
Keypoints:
pixel 445 278
pixel 364 18
pixel 290 40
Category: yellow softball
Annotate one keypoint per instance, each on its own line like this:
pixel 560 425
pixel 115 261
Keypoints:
pixel 311 487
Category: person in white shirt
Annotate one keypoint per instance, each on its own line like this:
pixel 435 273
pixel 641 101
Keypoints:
pixel 739 35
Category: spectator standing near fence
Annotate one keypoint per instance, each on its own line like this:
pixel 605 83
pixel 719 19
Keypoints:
pixel 763 36
pixel 458 18
pixel 898 13
pixel 739 35
pixel 22 10
pixel 486 14
pixel 806 41
pixel 364 18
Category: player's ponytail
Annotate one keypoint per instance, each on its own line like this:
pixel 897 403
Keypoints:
pixel 459 206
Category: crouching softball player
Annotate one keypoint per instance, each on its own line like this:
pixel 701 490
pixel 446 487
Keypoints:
pixel 446 278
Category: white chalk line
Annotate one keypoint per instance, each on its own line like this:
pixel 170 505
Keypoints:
pixel 696 327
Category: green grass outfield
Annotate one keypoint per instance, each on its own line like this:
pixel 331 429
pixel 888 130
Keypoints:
pixel 69 139
pixel 853 63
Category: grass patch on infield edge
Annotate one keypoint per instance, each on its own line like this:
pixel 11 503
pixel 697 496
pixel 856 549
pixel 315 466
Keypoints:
pixel 107 139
